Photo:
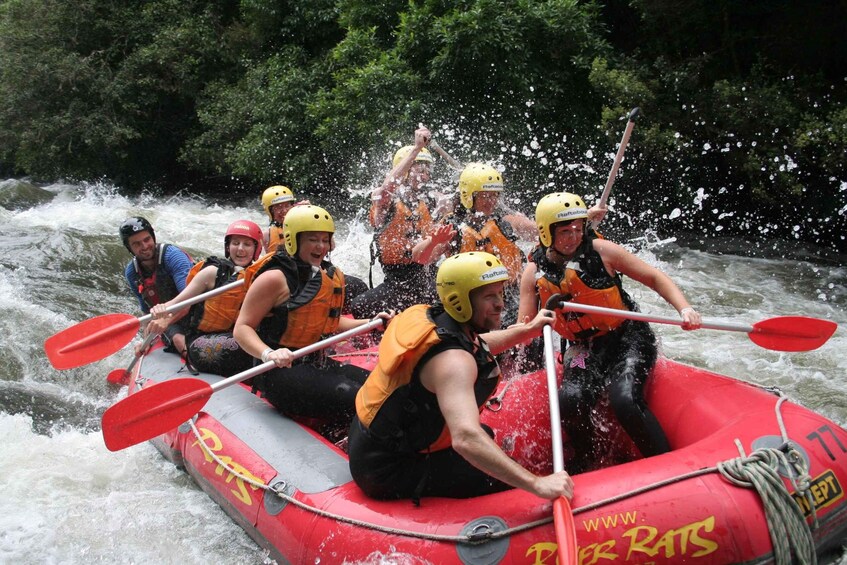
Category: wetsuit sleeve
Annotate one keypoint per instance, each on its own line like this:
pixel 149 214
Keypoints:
pixel 132 282
pixel 177 264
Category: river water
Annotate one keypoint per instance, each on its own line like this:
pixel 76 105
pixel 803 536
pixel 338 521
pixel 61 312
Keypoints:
pixel 67 499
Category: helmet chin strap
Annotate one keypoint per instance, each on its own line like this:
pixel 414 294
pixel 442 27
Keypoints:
pixel 559 253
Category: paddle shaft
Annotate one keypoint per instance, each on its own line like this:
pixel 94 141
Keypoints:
pixel 302 352
pixel 604 197
pixel 562 513
pixel 552 391
pixel 144 345
pixel 447 157
pixel 196 299
pixel 640 316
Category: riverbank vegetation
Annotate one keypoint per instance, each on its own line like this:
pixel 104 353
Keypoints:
pixel 743 123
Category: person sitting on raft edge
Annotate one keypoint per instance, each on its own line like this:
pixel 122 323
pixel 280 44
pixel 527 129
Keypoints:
pixel 210 344
pixel 401 215
pixel 156 274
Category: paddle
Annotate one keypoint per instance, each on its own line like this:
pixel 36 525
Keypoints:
pixel 101 336
pixel 784 333
pixel 562 514
pixel 121 376
pixel 156 409
pixel 447 157
pixel 618 158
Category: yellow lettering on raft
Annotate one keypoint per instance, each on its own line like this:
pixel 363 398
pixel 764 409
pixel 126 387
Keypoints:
pixel 646 539
pixel 241 493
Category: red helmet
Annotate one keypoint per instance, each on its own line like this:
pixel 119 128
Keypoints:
pixel 247 229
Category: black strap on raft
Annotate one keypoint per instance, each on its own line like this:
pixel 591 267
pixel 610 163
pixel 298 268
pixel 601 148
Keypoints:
pixel 373 260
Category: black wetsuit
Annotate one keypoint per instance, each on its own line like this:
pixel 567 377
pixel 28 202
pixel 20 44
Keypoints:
pixel 618 362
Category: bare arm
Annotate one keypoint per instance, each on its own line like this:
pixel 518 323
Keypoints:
pixel 450 376
pixel 618 259
pixel 523 226
pixel 268 290
pixel 528 305
pixel 501 340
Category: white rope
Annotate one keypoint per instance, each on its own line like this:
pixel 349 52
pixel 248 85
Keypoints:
pixel 786 523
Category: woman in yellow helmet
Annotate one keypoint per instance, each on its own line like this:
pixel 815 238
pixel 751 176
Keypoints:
pixel 401 215
pixel 278 201
pixel 607 354
pixel 293 300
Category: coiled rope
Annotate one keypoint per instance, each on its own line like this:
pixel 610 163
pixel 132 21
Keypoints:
pixel 786 523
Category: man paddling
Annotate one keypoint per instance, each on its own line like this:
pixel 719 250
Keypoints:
pixel 417 430
pixel 156 274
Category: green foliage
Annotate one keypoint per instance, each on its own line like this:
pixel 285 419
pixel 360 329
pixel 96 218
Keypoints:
pixel 732 96
pixel 92 89
pixel 742 103
pixel 258 128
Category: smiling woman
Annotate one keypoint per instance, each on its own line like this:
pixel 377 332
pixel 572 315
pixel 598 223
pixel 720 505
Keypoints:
pixel 294 299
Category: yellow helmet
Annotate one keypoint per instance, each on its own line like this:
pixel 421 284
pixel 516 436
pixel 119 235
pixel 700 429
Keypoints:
pixel 555 208
pixel 478 177
pixel 304 217
pixel 460 274
pixel 275 195
pixel 423 156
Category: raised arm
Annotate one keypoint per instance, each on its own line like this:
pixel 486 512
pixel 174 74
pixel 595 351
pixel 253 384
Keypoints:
pixel 381 196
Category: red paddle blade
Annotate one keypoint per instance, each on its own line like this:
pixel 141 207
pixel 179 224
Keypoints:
pixel 153 411
pixel 118 377
pixel 792 333
pixel 90 340
pixel 565 532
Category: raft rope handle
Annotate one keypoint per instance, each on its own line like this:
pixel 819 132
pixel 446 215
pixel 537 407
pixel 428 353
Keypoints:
pixel 278 488
pixel 367 354
pixel 778 486
pixel 139 380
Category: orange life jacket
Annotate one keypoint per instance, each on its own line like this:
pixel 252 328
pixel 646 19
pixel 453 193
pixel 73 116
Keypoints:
pixel 492 240
pixel 275 239
pixel 217 314
pixel 584 281
pixel 393 403
pixel 313 308
pixel 395 240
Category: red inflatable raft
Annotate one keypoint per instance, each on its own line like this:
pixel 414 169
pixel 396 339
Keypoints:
pixel 291 491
